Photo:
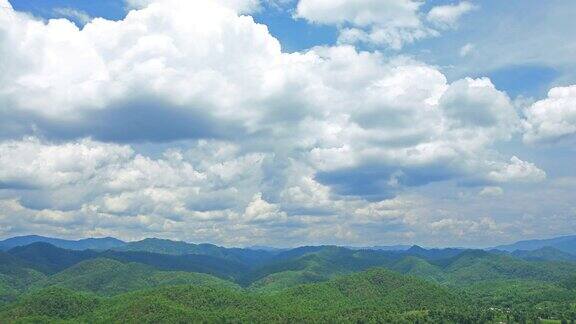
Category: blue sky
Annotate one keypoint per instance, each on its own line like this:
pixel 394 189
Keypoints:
pixel 348 122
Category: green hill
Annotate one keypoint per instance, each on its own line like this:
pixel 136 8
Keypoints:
pixel 476 266
pixel 286 279
pixel 50 305
pixel 545 254
pixel 110 277
pixel 369 296
pixel 49 259
pixel 415 266
pixel 307 265
pixel 15 277
pixel 308 284
pixel 247 257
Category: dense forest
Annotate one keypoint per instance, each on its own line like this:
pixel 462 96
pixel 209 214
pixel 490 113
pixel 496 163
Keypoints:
pixel 102 281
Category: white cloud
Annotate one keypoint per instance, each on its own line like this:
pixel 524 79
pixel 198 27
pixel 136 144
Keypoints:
pixel 402 13
pixel 553 118
pixel 30 163
pixel 463 228
pixel 183 195
pixel 259 210
pixel 384 22
pixel 491 191
pixel 310 139
pixel 447 16
pixel 393 23
pixel 476 103
pixel 217 74
pixel 517 170
pixel 467 49
pixel 78 15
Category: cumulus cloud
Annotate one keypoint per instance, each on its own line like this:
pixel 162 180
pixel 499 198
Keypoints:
pixel 331 135
pixel 390 22
pixel 74 14
pixel 517 170
pixel 30 164
pixel 393 23
pixel 208 193
pixel 209 73
pixel 447 16
pixel 553 118
pixel 259 210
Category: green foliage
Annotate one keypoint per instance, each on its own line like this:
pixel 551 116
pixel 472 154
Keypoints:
pixel 309 284
pixel 420 268
pixel 54 303
pixel 49 259
pixel 375 295
pixel 153 245
pixel 15 278
pixel 286 279
pixel 110 277
pixel 313 265
pixel 525 300
pixel 545 254
pixel 473 267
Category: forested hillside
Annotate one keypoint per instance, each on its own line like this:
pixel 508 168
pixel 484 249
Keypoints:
pixel 165 281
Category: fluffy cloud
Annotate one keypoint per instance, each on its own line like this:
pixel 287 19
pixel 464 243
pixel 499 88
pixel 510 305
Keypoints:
pixel 362 13
pixel 448 16
pixel 553 118
pixel 306 140
pixel 259 210
pixel 382 22
pixel 30 164
pixel 77 15
pixel 390 22
pixel 206 72
pixel 210 192
pixel 518 170
pixel 170 73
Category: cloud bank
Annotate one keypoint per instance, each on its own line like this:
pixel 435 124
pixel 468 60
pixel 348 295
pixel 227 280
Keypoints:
pixel 252 144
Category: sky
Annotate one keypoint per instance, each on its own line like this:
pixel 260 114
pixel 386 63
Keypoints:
pixel 289 122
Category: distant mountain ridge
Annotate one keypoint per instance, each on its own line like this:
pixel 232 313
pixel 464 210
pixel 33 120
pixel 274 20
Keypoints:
pixel 83 244
pixel 544 254
pixel 565 244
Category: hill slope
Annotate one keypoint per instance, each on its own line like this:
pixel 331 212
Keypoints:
pixel 314 264
pixel 545 254
pixel 15 277
pixel 109 277
pixel 49 259
pixel 371 295
pixel 249 257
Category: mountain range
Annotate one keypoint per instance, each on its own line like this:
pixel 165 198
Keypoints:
pixel 52 280
pixel 564 243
